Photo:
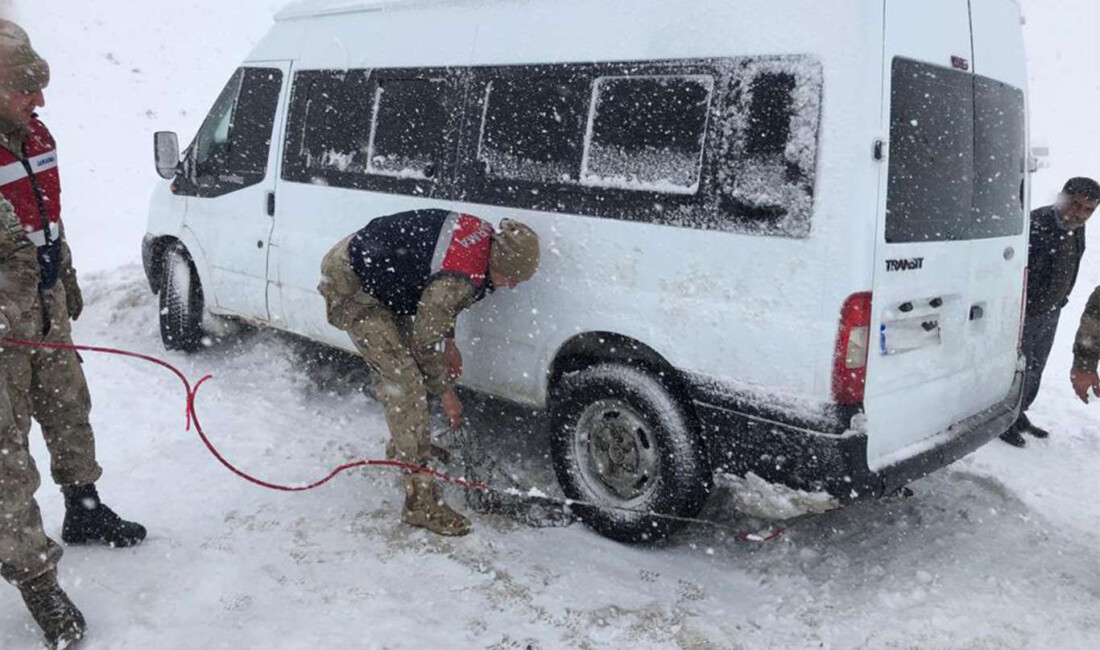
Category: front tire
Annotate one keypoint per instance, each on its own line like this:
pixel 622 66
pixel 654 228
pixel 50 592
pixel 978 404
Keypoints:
pixel 623 441
pixel 181 301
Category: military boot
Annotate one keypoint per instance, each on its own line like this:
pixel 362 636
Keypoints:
pixel 425 508
pixel 60 620
pixel 87 520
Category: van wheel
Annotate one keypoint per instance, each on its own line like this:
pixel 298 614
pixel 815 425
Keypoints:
pixel 622 441
pixel 181 302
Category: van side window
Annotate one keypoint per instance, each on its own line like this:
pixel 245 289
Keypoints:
pixel 533 129
pixel 769 120
pixel 409 129
pixel 647 133
pixel 768 153
pixel 957 160
pixel 230 150
pixel 717 144
pixel 392 131
pixel 335 134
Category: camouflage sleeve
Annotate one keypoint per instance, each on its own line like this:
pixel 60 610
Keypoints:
pixel 18 265
pixel 439 306
pixel 1086 347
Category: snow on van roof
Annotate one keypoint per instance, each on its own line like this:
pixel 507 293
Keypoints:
pixel 308 8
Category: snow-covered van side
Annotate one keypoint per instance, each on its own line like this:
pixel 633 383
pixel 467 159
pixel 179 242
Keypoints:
pixel 769 247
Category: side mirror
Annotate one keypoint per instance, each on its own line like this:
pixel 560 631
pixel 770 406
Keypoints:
pixel 166 149
pixel 1039 159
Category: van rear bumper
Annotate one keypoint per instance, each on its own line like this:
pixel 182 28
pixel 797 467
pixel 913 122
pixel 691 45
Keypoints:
pixel 817 461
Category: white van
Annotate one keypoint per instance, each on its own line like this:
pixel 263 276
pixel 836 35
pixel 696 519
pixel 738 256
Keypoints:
pixel 785 237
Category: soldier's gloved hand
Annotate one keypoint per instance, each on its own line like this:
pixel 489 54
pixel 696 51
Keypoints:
pixel 74 300
pixel 452 408
pixel 452 358
pixel 1082 381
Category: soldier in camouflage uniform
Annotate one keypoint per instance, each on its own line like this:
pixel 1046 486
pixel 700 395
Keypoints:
pixel 1086 351
pixel 46 384
pixel 28 558
pixel 396 287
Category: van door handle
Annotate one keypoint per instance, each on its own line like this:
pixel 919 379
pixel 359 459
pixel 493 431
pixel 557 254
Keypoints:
pixel 976 312
pixel 271 204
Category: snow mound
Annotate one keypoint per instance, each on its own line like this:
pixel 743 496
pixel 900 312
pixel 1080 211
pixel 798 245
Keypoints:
pixel 755 497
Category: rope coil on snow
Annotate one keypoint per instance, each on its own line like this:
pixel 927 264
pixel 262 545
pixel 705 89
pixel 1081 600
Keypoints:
pixel 191 415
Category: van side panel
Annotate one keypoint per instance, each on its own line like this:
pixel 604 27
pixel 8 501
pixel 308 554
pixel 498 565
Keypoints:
pixel 755 313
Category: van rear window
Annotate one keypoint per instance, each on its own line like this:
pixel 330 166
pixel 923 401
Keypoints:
pixel 957 160
pixel 1000 159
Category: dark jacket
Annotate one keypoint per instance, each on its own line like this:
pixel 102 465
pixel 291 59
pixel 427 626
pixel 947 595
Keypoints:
pixel 396 257
pixel 1045 263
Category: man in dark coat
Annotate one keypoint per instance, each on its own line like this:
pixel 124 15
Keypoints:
pixel 1055 249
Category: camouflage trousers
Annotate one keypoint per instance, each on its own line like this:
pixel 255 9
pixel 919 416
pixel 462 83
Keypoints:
pixel 25 551
pixel 49 385
pixel 383 340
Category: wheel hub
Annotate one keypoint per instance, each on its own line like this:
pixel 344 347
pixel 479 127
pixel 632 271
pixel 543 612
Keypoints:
pixel 616 449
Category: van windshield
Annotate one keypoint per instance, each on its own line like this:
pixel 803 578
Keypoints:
pixel 957 156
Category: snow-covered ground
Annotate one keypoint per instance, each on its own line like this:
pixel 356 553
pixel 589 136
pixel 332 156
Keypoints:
pixel 999 551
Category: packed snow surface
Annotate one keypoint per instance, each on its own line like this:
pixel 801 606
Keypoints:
pixel 998 551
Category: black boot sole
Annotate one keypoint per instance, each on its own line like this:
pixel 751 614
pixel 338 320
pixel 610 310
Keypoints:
pixel 77 539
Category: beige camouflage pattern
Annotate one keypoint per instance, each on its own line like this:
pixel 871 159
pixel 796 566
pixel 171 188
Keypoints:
pixel 403 354
pixel 25 550
pixel 1086 346
pixel 49 385
pixel 18 270
pixel 425 508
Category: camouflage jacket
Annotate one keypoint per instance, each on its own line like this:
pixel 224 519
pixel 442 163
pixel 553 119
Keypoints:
pixel 18 272
pixel 440 303
pixel 1086 347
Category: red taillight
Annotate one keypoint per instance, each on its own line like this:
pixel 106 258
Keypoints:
pixel 852 344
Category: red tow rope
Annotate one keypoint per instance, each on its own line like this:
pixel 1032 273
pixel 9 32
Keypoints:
pixel 193 416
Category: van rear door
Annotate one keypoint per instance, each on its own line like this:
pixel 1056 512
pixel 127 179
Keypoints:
pixel 950 251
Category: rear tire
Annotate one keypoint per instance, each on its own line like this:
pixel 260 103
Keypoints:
pixel 621 440
pixel 181 301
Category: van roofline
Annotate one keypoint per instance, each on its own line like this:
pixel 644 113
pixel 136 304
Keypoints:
pixel 313 8
pixel 298 9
